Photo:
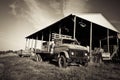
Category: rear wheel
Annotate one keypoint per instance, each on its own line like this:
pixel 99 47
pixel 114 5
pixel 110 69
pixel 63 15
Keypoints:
pixel 62 62
pixel 20 55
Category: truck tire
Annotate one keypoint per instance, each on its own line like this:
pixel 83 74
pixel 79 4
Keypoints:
pixel 62 62
pixel 85 64
pixel 20 55
pixel 38 58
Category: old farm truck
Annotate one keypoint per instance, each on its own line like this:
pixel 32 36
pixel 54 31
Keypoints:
pixel 64 50
pixel 73 40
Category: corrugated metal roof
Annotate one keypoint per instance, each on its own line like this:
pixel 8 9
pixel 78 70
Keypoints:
pixel 97 18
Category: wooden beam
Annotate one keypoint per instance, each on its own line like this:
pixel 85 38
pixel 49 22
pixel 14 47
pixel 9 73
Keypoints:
pixel 42 37
pixel 60 32
pixel 35 46
pixel 26 44
pixel 117 42
pixel 74 27
pixel 49 36
pixel 31 44
pixel 91 40
pixel 49 41
pixel 100 44
pixel 108 40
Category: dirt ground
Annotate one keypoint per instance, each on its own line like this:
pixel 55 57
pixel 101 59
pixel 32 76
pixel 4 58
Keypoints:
pixel 13 67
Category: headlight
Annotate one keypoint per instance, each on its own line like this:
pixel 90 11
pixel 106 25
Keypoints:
pixel 85 54
pixel 72 53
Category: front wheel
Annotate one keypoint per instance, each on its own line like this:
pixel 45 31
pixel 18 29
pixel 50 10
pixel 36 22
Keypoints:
pixel 85 64
pixel 38 58
pixel 62 62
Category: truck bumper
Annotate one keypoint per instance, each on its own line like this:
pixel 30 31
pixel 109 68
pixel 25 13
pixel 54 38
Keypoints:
pixel 78 60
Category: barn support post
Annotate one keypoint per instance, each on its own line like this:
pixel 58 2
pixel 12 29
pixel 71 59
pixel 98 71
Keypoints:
pixel 74 30
pixel 49 41
pixel 42 37
pixel 117 42
pixel 60 32
pixel 35 46
pixel 31 44
pixel 26 42
pixel 100 44
pixel 108 40
pixel 117 45
pixel 91 27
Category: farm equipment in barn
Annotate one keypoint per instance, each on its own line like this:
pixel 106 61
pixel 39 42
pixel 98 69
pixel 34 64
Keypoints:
pixel 113 52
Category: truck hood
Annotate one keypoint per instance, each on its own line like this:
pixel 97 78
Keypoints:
pixel 79 47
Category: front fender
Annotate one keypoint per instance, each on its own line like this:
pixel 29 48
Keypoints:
pixel 65 53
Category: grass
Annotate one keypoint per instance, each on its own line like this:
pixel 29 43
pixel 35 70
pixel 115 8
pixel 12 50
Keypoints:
pixel 13 67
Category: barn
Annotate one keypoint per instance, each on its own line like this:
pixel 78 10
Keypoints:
pixel 92 30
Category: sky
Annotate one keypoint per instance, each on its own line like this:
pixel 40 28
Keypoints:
pixel 20 18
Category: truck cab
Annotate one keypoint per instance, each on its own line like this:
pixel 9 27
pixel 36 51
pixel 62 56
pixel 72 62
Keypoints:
pixel 70 51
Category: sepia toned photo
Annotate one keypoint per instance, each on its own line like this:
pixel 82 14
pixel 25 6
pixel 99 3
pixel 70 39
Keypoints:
pixel 59 40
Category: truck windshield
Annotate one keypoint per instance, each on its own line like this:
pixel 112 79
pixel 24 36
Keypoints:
pixel 67 41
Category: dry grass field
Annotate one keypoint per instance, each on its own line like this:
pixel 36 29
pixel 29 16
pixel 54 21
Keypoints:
pixel 13 67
